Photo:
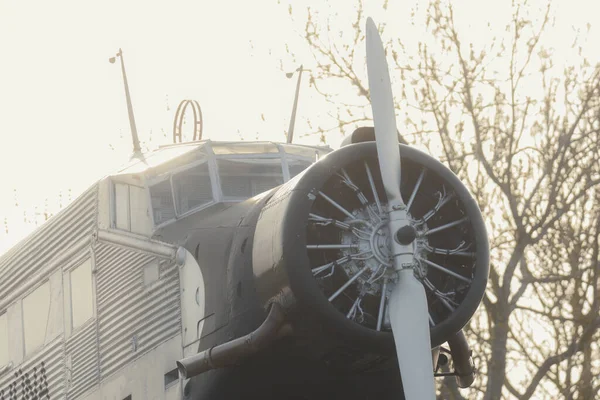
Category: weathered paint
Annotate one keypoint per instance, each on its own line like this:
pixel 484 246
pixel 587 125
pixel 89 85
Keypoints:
pixel 81 360
pixel 41 374
pixel 144 377
pixel 132 319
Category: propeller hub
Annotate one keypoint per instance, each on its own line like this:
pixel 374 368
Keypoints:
pixel 406 235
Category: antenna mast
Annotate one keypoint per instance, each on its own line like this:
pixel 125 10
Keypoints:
pixel 134 135
pixel 290 134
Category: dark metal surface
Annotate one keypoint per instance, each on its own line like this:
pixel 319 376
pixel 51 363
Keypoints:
pixel 461 358
pixel 214 237
pixel 252 254
pixel 285 371
pixel 230 353
pixel 365 134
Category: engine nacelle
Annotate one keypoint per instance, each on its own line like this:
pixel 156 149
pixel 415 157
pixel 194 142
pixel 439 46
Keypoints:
pixel 320 246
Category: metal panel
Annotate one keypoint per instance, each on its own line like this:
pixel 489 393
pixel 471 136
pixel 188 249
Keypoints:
pixel 133 318
pixel 193 296
pixel 122 206
pixel 52 239
pixel 82 361
pixel 41 375
pixel 141 221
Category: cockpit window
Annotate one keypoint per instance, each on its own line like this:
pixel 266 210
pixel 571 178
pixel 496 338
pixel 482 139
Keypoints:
pixel 36 311
pixel 192 188
pixel 210 172
pixel 245 178
pixel 162 202
pixel 297 166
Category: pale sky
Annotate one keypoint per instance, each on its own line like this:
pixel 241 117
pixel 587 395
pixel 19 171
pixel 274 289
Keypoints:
pixel 63 121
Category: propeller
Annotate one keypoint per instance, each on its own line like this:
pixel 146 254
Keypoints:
pixel 409 315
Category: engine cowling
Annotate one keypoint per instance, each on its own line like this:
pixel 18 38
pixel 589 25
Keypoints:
pixel 320 245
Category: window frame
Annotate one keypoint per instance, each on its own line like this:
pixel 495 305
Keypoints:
pixel 268 156
pixel 75 262
pixel 6 366
pixel 175 197
pixel 206 159
pixel 297 158
pixel 113 204
pixel 160 179
pixel 207 155
pixel 70 270
pixel 30 352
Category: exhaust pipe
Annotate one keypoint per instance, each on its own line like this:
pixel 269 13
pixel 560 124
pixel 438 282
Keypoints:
pixel 228 354
pixel 461 358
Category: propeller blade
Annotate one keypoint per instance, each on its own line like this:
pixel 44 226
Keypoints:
pixel 384 116
pixel 409 317
pixel 409 314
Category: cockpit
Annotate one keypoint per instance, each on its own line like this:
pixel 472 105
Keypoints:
pixel 177 180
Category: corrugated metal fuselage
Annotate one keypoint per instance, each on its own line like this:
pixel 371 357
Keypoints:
pixel 133 323
pixel 158 295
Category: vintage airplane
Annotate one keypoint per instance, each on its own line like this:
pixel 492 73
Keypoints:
pixel 251 270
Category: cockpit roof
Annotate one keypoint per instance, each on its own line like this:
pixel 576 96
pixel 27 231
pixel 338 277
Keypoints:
pixel 168 153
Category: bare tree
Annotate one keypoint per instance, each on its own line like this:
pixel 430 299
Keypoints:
pixel 525 138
